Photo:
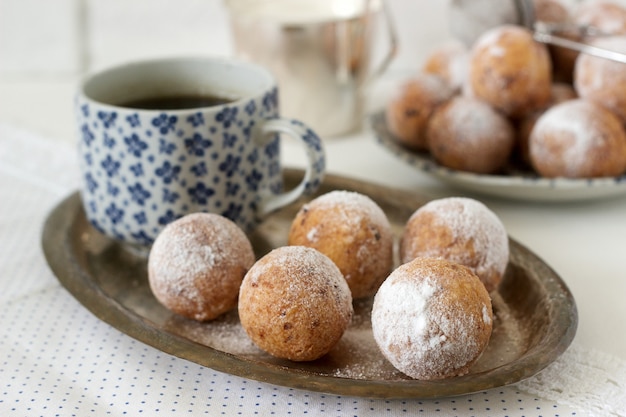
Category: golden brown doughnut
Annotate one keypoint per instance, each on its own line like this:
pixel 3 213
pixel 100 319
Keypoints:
pixel 196 265
pixel 608 17
pixel 556 13
pixel 467 134
pixel 560 92
pixel 510 71
pixel 410 107
pixel 450 62
pixel 602 80
pixel 550 11
pixel 578 139
pixel 295 304
pixel 432 319
pixel 353 231
pixel 461 230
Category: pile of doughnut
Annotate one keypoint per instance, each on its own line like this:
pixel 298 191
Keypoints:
pixel 431 317
pixel 508 100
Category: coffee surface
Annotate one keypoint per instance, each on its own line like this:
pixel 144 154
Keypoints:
pixel 176 102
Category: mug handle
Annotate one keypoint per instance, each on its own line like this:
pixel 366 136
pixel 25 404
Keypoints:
pixel 316 157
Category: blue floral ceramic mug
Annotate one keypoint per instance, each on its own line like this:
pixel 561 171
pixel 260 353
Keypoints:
pixel 160 139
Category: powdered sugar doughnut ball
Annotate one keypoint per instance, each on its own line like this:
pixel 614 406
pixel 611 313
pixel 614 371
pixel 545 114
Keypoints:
pixel 510 71
pixel 560 92
pixel 578 139
pixel 449 61
pixel 607 17
pixel 563 59
pixel 353 231
pixel 295 304
pixel 469 135
pixel 552 11
pixel 461 230
pixel 411 105
pixel 196 265
pixel 602 80
pixel 432 319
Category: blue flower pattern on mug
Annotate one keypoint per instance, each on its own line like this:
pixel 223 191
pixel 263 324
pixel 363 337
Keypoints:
pixel 164 123
pixel 166 147
pixel 196 145
pixel 168 172
pixel 196 119
pixel 142 176
pixel 227 116
pixel 86 135
pixel 107 118
pixel 135 145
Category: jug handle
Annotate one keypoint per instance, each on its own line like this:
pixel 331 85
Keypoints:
pixel 393 45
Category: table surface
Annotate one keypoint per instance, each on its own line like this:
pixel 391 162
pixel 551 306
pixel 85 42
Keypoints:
pixel 57 359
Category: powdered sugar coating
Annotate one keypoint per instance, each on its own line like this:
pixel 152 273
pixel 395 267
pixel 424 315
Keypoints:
pixel 432 319
pixel 602 80
pixel 510 71
pixel 578 139
pixel 469 135
pixel 295 304
pixel 461 230
pixel 353 231
pixel 196 265
pixel 608 17
pixel 450 62
pixel 410 107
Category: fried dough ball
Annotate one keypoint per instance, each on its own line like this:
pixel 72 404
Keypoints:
pixel 432 319
pixel 554 12
pixel 450 62
pixel 410 107
pixel 510 70
pixel 560 92
pixel 353 231
pixel 295 304
pixel 607 17
pixel 578 139
pixel 602 80
pixel 461 230
pixel 469 135
pixel 196 265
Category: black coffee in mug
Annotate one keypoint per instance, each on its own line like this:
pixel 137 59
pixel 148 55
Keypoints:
pixel 176 102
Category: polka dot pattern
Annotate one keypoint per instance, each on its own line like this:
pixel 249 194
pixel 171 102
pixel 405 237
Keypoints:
pixel 59 360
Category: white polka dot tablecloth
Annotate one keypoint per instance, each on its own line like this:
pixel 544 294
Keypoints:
pixel 57 359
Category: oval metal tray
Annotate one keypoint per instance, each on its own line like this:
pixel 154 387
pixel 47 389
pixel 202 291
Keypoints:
pixel 535 313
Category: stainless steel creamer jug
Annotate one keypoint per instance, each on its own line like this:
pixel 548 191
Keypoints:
pixel 319 51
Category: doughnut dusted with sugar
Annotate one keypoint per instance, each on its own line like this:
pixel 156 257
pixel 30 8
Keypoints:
pixel 353 231
pixel 510 70
pixel 578 139
pixel 461 230
pixel 411 105
pixel 295 304
pixel 467 134
pixel 432 319
pixel 602 80
pixel 196 265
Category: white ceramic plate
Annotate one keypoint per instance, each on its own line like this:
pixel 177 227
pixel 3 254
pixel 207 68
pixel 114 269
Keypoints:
pixel 517 185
